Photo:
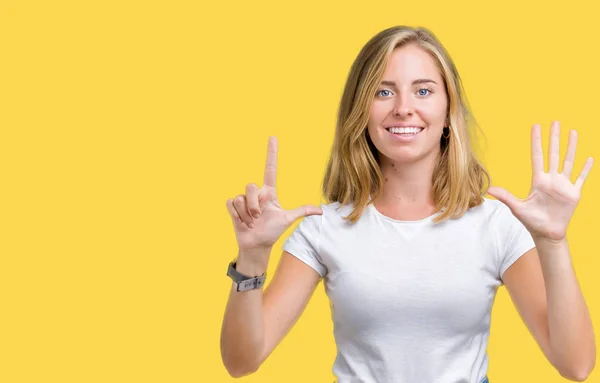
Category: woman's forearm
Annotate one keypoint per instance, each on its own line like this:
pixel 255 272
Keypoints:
pixel 570 326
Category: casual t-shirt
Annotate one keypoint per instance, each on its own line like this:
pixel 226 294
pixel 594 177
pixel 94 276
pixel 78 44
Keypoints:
pixel 411 300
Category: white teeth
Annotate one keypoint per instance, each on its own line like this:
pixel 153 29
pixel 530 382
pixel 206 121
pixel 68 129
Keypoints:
pixel 410 129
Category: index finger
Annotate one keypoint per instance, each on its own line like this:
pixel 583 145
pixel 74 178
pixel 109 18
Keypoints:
pixel 271 166
pixel 537 155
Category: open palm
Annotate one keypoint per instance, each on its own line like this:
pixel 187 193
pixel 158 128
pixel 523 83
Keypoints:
pixel 552 200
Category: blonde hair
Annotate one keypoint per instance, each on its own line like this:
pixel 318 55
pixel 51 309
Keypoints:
pixel 353 174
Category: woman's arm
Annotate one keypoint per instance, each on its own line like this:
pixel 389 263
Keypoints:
pixel 543 286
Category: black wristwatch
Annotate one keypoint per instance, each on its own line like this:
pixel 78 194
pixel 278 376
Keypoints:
pixel 244 282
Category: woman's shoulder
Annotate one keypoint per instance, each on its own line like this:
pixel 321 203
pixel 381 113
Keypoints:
pixel 332 218
pixel 335 212
pixel 335 209
pixel 489 208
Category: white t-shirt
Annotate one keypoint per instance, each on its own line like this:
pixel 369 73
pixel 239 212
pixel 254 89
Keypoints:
pixel 411 300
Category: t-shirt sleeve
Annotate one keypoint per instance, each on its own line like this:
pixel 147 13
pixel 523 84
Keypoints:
pixel 514 239
pixel 303 243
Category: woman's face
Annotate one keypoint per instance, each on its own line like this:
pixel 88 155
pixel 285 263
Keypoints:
pixel 408 113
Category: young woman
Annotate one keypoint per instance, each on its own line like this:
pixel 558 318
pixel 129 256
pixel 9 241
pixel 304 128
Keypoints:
pixel 410 250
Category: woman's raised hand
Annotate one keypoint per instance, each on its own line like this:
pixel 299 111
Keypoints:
pixel 258 218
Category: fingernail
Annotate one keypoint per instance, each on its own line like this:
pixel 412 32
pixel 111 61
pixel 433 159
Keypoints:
pixel 251 225
pixel 256 215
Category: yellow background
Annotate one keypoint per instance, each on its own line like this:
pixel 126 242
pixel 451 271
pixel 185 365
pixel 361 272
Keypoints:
pixel 126 125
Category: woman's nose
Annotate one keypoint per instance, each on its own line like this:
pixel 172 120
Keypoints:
pixel 403 106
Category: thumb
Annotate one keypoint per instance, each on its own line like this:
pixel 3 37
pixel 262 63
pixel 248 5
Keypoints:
pixel 503 196
pixel 304 211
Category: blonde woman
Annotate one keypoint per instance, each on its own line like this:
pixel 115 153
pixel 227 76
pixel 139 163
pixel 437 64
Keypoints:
pixel 410 250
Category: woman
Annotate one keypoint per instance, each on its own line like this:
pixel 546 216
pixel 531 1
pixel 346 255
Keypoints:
pixel 410 251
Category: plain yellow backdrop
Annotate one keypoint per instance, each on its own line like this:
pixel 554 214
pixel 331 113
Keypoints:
pixel 126 125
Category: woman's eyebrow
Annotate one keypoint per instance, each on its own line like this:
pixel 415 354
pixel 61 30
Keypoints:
pixel 417 81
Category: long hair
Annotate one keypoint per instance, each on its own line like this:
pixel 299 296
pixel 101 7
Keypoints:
pixel 353 174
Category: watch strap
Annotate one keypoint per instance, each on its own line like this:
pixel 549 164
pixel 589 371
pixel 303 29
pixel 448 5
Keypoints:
pixel 245 282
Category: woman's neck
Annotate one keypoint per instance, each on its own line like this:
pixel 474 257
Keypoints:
pixel 408 189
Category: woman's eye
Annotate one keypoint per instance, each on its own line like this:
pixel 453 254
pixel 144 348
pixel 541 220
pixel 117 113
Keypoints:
pixel 423 92
pixel 383 90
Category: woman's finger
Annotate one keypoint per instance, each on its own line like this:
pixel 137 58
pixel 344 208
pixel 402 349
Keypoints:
pixel 537 155
pixel 554 148
pixel 252 200
pixel 233 213
pixel 570 156
pixel 584 173
pixel 240 206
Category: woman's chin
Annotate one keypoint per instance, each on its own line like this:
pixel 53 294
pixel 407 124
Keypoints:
pixel 409 155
